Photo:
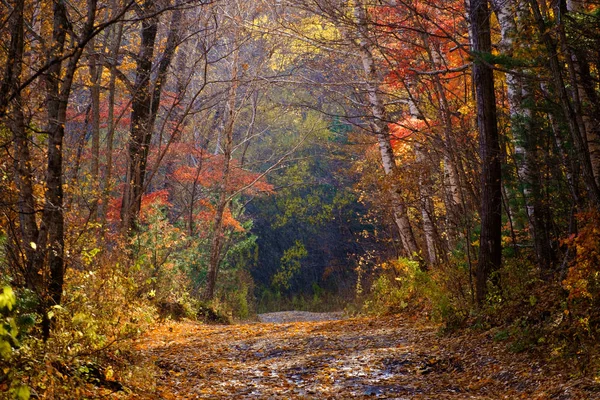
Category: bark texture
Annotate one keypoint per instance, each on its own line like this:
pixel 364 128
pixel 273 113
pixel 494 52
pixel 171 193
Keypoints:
pixel 490 246
pixel 381 130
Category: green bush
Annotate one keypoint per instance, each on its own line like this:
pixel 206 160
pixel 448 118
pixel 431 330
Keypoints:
pixel 402 285
pixel 9 340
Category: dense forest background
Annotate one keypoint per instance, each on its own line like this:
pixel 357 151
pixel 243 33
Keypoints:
pixel 215 159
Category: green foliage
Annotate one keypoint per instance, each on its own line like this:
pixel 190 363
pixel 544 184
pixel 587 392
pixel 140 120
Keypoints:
pixel 8 327
pixel 401 284
pixel 290 265
pixel 158 250
pixel 10 333
pixel 90 349
pixel 320 300
pixel 314 205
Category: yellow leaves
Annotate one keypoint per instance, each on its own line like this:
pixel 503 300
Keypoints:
pixel 310 36
pixel 7 298
pixel 21 392
pixel 466 109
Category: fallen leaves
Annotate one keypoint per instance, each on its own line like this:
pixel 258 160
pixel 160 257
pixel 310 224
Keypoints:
pixel 357 358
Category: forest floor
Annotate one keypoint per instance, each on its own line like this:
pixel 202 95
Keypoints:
pixel 297 355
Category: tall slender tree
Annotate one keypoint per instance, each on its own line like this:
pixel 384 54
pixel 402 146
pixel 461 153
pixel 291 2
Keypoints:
pixel 490 244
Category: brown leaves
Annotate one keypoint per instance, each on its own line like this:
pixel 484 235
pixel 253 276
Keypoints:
pixel 356 358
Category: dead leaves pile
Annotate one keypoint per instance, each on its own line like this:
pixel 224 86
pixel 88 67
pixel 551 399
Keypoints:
pixel 357 358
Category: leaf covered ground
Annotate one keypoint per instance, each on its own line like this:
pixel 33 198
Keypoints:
pixel 352 358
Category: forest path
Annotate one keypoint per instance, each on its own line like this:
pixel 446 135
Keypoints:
pixel 341 359
pixel 299 316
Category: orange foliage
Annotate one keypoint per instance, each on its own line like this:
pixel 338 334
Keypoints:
pixel 122 114
pixel 210 174
pixel 151 202
pixel 410 24
pixel 583 277
pixel 402 130
pixel 207 214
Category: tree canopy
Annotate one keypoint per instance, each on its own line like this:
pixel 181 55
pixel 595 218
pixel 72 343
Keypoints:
pixel 224 157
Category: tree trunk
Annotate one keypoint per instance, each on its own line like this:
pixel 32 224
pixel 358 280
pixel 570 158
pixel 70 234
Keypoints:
pixel 582 84
pixel 140 131
pixel 525 135
pixel 424 184
pixel 145 106
pixel 490 246
pixel 224 195
pixel 117 33
pixel 58 88
pixel 95 76
pixel 425 194
pixel 28 226
pixel 593 190
pixel 381 130
pixel 453 197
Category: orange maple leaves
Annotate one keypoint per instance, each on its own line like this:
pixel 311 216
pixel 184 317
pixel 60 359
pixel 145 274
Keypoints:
pixel 209 174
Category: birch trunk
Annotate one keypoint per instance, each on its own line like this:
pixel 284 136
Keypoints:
pixel 425 187
pixel 381 130
pixel 453 197
pixel 525 134
pixel 568 108
pixel 583 90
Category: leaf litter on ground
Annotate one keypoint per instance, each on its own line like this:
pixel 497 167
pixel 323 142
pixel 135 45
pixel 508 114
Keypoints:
pixel 292 357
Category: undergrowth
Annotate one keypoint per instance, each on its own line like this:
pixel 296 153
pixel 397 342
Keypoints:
pixel 89 353
pixel 557 317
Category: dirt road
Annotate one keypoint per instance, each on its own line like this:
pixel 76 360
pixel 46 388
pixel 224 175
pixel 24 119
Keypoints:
pixel 343 359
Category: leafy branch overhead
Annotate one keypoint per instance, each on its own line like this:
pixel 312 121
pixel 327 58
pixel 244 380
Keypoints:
pixel 216 160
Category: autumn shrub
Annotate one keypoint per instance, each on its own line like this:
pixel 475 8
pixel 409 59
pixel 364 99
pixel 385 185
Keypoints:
pixel 453 299
pixel 10 336
pixel 575 325
pixel 582 281
pixel 442 293
pixel 158 267
pixel 89 352
pixel 400 285
pixel 235 294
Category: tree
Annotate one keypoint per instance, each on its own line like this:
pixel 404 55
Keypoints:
pixel 145 104
pixel 45 243
pixel 490 240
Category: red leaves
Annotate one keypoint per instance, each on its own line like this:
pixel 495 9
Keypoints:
pixel 209 174
pixel 152 202
pixel 207 214
pixel 77 114
pixel 404 128
pixel 582 279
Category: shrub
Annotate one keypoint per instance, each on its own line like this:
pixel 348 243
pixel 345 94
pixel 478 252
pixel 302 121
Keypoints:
pixel 9 340
pixel 401 284
pixel 582 281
